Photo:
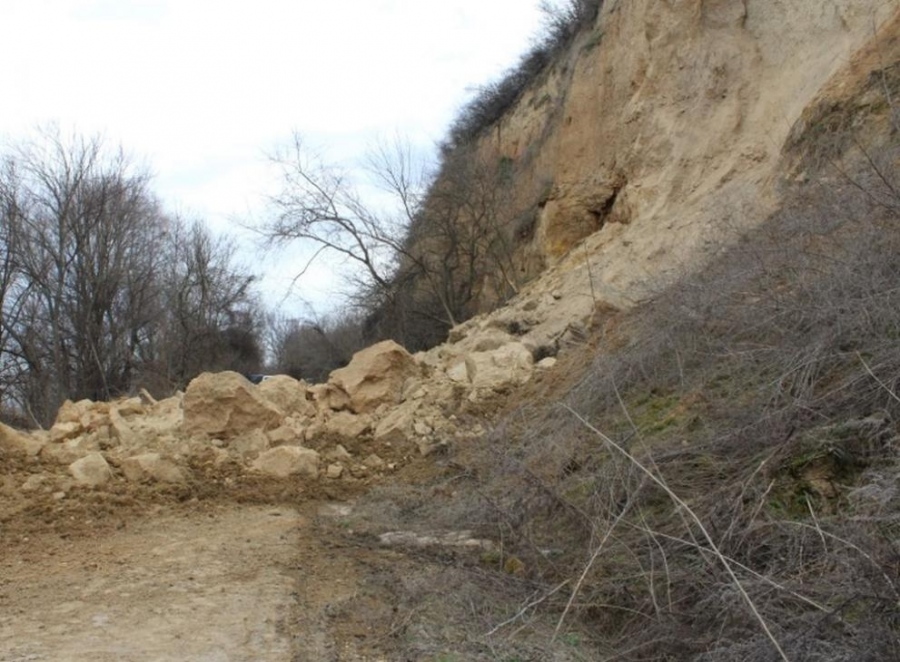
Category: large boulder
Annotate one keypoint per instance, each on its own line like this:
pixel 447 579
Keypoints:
pixel 164 417
pixel 292 432
pixel 91 470
pixel 122 430
pixel 65 430
pixel 70 450
pixel 285 461
pixel 225 405
pixel 14 441
pixel 509 364
pixel 288 394
pixel 329 397
pixel 152 466
pixel 375 376
pixel 399 424
pixel 84 414
pixel 345 425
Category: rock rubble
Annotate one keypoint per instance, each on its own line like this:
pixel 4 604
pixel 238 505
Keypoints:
pixel 384 408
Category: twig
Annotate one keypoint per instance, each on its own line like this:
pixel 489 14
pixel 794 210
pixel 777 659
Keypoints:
pixel 816 520
pixel 855 547
pixel 587 261
pixel 665 560
pixel 587 568
pixel 521 612
pixel 768 580
pixel 875 377
pixel 678 501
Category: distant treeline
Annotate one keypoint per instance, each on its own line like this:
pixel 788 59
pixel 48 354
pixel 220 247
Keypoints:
pixel 102 291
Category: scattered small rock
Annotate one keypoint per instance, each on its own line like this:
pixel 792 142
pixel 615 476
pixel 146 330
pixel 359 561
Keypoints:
pixel 462 539
pixel 430 447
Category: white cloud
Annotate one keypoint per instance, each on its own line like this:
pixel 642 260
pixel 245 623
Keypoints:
pixel 204 88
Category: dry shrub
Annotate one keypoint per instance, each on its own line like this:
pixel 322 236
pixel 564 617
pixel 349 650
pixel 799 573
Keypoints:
pixel 723 482
pixel 726 484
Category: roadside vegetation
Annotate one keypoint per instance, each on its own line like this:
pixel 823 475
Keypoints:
pixel 720 482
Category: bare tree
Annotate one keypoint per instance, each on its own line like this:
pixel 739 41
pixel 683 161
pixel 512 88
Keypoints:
pixel 311 348
pixel 426 257
pixel 212 319
pixel 318 203
pixel 99 288
pixel 80 225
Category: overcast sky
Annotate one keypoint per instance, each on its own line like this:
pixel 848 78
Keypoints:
pixel 203 89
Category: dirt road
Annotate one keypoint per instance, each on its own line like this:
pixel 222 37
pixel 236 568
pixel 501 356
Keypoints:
pixel 230 583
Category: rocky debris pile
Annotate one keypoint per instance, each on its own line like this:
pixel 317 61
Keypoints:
pixel 371 417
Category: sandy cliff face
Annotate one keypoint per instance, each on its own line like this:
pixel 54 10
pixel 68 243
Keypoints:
pixel 661 131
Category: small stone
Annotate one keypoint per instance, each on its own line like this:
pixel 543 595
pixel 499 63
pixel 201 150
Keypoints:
pixel 34 483
pixel 285 435
pixel 458 373
pixel 130 407
pixel 347 425
pixel 220 457
pixel 285 461
pixel 374 462
pixel 13 440
pixel 62 431
pixel 338 454
pixel 428 447
pixel 146 398
pixel 334 471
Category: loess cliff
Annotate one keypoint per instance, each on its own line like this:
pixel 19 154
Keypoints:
pixel 663 129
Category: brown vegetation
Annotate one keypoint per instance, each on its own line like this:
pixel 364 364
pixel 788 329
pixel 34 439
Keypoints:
pixel 721 483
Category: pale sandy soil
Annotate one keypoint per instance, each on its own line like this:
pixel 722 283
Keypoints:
pixel 230 583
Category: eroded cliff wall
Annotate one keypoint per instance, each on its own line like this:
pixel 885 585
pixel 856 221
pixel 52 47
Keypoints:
pixel 661 131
